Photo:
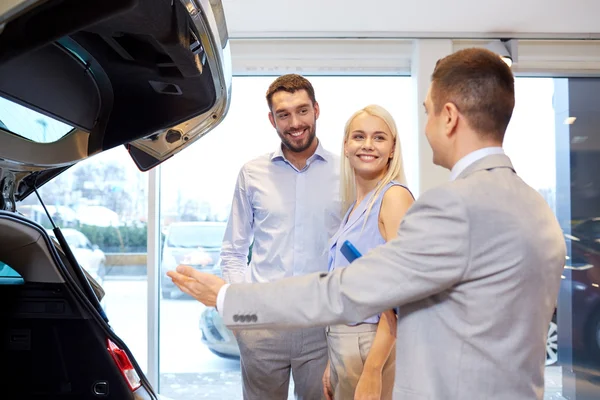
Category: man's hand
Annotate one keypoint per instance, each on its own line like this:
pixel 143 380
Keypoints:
pixel 327 390
pixel 202 286
pixel 369 386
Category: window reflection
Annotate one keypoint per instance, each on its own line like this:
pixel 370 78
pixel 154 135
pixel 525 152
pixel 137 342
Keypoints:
pixel 30 124
pixel 578 155
pixel 554 143
pixel 101 206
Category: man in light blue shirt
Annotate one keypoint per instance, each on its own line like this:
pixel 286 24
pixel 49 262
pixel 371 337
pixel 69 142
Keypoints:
pixel 287 202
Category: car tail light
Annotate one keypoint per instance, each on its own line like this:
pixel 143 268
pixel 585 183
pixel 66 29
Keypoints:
pixel 124 365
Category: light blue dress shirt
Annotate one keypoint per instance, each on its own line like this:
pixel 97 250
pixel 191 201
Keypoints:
pixel 290 215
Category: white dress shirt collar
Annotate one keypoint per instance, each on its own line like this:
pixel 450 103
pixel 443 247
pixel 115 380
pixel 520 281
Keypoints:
pixel 470 158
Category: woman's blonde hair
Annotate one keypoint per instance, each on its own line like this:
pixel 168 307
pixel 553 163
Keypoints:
pixel 395 170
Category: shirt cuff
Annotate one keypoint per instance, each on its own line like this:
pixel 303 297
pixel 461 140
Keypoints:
pixel 221 298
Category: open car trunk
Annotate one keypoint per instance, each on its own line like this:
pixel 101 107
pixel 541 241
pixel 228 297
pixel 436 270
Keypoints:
pixel 153 75
pixel 55 342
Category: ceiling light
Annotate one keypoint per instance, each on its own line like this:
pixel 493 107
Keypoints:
pixel 578 139
pixel 505 48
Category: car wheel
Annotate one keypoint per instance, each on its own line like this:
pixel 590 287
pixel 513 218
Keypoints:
pixel 594 337
pixel 223 355
pixel 552 343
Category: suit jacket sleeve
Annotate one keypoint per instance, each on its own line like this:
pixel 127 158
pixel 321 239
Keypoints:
pixel 430 255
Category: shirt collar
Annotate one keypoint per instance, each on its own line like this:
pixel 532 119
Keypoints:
pixel 470 158
pixel 320 154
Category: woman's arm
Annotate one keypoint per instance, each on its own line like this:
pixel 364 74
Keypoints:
pixel 382 344
pixel 396 201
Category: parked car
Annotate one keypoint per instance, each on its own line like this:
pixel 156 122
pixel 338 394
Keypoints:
pixel 216 336
pixel 76 80
pixel 581 282
pixel 552 342
pixel 193 243
pixel 89 255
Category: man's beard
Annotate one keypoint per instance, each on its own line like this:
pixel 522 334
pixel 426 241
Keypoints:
pixel 298 147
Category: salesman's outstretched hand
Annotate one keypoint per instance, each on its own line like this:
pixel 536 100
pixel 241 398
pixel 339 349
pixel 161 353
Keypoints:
pixel 203 287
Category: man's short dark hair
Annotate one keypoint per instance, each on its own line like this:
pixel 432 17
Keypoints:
pixel 482 87
pixel 290 83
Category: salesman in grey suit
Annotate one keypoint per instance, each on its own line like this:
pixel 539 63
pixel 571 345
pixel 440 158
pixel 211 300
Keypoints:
pixel 475 269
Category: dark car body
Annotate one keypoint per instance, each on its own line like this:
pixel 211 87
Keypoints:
pixel 151 75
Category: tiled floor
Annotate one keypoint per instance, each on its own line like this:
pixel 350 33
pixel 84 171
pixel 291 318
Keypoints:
pixel 227 386
pixel 553 384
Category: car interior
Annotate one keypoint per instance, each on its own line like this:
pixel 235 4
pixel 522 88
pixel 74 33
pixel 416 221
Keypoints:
pixel 133 72
pixel 151 75
pixel 53 327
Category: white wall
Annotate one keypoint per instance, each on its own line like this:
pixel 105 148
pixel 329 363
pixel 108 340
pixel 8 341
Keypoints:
pixel 400 37
pixel 332 56
pixel 413 18
pixel 370 56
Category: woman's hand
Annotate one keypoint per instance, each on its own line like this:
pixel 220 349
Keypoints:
pixel 327 383
pixel 369 386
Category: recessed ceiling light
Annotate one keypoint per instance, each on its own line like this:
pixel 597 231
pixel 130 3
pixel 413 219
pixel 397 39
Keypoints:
pixel 507 60
pixel 506 49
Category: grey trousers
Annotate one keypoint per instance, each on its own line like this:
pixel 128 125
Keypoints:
pixel 349 347
pixel 268 357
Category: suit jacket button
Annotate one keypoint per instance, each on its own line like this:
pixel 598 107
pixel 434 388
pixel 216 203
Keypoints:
pixel 236 318
pixel 254 318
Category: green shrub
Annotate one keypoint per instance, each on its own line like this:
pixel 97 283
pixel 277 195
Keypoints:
pixel 121 239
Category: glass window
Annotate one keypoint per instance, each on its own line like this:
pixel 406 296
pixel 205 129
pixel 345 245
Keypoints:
pixel 190 235
pixel 554 144
pixel 9 276
pixel 589 229
pixel 198 354
pixel 533 127
pixel 30 124
pixel 101 205
pixel 578 210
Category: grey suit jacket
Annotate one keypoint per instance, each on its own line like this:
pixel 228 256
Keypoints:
pixel 475 270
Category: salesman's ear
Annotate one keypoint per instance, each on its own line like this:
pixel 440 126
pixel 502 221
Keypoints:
pixel 450 116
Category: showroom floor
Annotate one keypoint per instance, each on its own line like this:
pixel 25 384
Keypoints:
pixel 553 384
pixel 227 385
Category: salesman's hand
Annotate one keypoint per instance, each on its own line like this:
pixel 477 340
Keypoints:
pixel 203 287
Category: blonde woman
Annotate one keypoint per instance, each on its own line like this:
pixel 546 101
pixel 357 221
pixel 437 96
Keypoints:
pixel 374 198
